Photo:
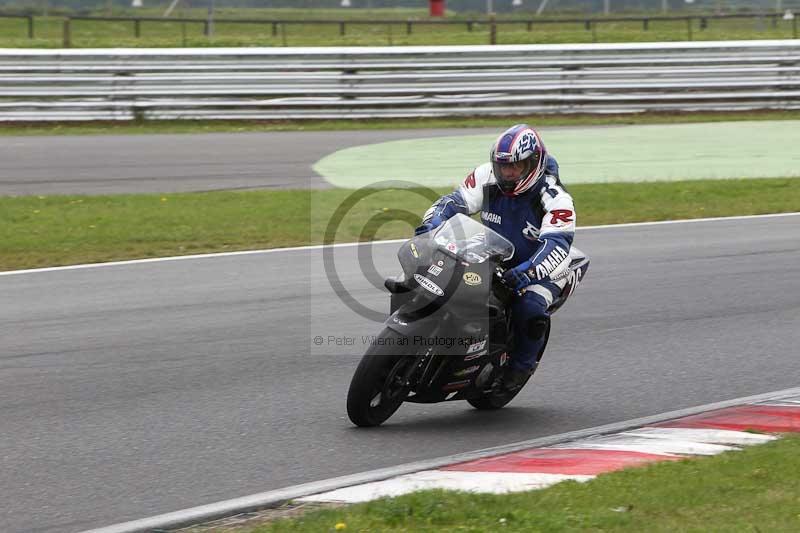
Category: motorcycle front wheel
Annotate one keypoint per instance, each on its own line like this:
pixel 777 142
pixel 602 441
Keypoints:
pixel 377 388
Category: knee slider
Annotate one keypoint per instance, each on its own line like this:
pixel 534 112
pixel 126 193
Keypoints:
pixel 537 327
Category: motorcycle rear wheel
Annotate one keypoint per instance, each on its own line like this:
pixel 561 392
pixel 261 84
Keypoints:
pixel 376 391
pixel 497 401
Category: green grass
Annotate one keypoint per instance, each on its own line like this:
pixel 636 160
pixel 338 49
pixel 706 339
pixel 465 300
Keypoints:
pixel 225 126
pixel 87 34
pixel 38 231
pixel 756 489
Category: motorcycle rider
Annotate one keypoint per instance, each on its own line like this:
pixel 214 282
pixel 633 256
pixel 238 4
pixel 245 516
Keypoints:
pixel 520 196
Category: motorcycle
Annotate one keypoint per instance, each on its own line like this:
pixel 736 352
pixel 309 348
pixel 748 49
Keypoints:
pixel 448 335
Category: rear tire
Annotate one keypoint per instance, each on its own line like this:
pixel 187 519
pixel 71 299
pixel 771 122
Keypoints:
pixel 497 401
pixel 375 392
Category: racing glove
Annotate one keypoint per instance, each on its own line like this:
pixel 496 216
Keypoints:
pixel 550 262
pixel 429 225
pixel 520 276
pixel 442 209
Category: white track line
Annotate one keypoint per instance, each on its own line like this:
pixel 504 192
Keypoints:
pixel 349 244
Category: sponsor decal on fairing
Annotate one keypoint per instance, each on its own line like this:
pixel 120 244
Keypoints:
pixel 573 279
pixel 476 347
pixel 435 270
pixel 472 278
pixel 478 355
pixel 428 285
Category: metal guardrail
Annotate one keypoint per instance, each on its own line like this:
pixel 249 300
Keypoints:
pixel 357 83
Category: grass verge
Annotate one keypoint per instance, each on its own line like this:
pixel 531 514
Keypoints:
pixel 379 32
pixel 756 489
pixel 227 126
pixel 38 231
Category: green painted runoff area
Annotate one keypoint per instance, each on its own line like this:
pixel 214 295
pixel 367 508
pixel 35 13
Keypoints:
pixel 670 152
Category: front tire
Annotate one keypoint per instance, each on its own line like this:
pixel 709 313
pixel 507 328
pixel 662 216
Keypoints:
pixel 376 390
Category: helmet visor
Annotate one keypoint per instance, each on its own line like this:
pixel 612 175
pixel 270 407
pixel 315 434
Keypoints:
pixel 510 172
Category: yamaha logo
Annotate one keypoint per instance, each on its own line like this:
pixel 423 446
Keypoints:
pixel 428 285
pixel 530 231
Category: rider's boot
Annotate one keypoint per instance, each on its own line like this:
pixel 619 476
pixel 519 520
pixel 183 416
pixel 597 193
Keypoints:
pixel 512 379
pixel 531 325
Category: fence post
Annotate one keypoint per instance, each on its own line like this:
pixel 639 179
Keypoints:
pixel 469 25
pixel 274 29
pixel 689 27
pixel 66 33
pixel 530 25
pixel 492 28
pixel 408 27
pixel 341 28
pixel 389 33
pixel 30 26
pixel 137 28
pixel 794 27
pixel 594 31
pixel 283 33
pixel 205 28
pixel 646 24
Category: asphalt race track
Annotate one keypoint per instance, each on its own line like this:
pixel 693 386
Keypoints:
pixel 268 160
pixel 133 390
pixel 111 164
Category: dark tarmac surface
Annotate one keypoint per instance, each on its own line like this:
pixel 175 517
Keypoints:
pixel 133 390
pixel 112 164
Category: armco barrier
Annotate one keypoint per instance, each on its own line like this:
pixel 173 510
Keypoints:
pixel 326 83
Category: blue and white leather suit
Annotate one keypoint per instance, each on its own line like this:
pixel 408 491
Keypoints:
pixel 541 224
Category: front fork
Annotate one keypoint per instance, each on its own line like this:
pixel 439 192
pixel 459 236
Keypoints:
pixel 423 365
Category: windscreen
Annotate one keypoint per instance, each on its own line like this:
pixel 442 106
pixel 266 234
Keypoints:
pixel 471 241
